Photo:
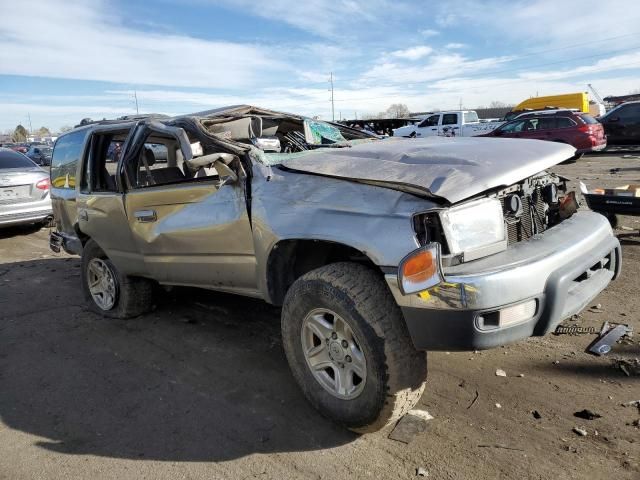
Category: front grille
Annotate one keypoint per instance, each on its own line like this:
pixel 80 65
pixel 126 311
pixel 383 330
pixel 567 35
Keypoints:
pixel 529 221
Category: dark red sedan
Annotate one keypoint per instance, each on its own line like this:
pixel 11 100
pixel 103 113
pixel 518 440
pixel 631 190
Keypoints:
pixel 577 129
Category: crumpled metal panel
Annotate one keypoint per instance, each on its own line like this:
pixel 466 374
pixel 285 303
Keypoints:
pixel 452 169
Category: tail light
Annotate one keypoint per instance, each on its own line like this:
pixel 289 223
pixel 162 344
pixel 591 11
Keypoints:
pixel 585 128
pixel 43 184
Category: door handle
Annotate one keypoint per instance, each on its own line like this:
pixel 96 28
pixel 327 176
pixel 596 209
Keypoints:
pixel 434 129
pixel 145 216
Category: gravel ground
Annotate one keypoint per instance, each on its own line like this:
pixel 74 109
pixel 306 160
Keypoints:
pixel 200 388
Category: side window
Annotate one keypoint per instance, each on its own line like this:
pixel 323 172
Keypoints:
pixel 547 123
pixel 450 119
pixel 431 121
pixel 64 162
pixel 629 112
pixel 104 152
pixel 160 162
pixel 514 127
pixel 564 122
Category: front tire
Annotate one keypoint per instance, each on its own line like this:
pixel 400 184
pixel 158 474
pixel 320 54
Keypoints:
pixel 107 291
pixel 349 349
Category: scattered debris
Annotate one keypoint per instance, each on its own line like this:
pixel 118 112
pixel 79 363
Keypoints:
pixel 536 414
pixel 474 400
pixel 421 414
pixel 580 431
pixel 632 403
pixel 629 229
pixel 609 334
pixel 629 367
pixel 498 405
pixel 421 472
pixel 521 375
pixel 500 373
pixel 587 414
pixel 410 425
pixel 556 362
pixel 500 445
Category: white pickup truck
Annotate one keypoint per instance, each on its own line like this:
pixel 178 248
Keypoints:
pixel 457 123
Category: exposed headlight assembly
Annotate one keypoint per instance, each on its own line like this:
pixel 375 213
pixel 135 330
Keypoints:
pixel 475 229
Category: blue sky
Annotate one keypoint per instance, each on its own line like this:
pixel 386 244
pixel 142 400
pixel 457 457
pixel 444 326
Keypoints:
pixel 63 60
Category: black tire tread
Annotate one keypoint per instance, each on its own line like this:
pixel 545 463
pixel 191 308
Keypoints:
pixel 405 367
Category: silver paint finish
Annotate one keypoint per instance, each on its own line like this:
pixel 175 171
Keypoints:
pixel 519 273
pixel 33 206
pixel 453 169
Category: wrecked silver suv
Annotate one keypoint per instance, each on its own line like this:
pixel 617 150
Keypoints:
pixel 377 249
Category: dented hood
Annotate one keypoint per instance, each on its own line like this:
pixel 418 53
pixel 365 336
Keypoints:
pixel 452 169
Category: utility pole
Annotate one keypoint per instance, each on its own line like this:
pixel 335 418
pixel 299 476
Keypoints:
pixel 135 95
pixel 333 115
pixel 30 126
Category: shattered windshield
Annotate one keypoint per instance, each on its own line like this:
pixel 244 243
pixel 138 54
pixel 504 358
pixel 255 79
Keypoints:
pixel 321 133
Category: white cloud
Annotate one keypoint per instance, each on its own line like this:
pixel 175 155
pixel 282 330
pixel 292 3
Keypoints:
pixel 429 32
pixel 413 53
pixel 328 18
pixel 455 46
pixel 83 40
pixel 547 22
pixel 439 66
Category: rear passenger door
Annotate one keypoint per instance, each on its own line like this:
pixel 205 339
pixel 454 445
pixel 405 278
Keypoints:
pixel 190 227
pixel 449 125
pixel 101 212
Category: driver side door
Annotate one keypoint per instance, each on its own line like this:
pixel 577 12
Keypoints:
pixel 428 127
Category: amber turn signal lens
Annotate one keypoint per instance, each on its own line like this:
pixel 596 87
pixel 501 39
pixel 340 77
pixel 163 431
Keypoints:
pixel 420 267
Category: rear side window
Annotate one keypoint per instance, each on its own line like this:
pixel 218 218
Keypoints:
pixel 470 117
pixel 11 159
pixel 564 122
pixel 547 123
pixel 64 162
pixel 450 119
pixel 589 120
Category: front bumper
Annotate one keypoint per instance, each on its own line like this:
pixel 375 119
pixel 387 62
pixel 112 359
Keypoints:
pixel 561 270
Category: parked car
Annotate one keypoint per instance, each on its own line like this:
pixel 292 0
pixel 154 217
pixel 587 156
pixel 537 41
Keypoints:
pixel 376 249
pixel 24 190
pixel 622 124
pixel 459 123
pixel 20 148
pixel 577 100
pixel 580 130
pixel 41 154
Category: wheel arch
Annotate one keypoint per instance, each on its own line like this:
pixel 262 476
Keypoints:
pixel 289 259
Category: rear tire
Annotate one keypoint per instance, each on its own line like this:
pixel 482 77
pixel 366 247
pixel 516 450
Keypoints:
pixel 112 294
pixel 352 298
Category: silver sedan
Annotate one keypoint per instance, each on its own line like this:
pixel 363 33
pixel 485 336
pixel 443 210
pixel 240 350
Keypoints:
pixel 24 190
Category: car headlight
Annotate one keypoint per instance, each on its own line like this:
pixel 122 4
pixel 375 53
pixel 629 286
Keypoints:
pixel 475 229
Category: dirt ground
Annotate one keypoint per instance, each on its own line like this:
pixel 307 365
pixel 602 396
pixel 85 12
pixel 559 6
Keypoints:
pixel 200 388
